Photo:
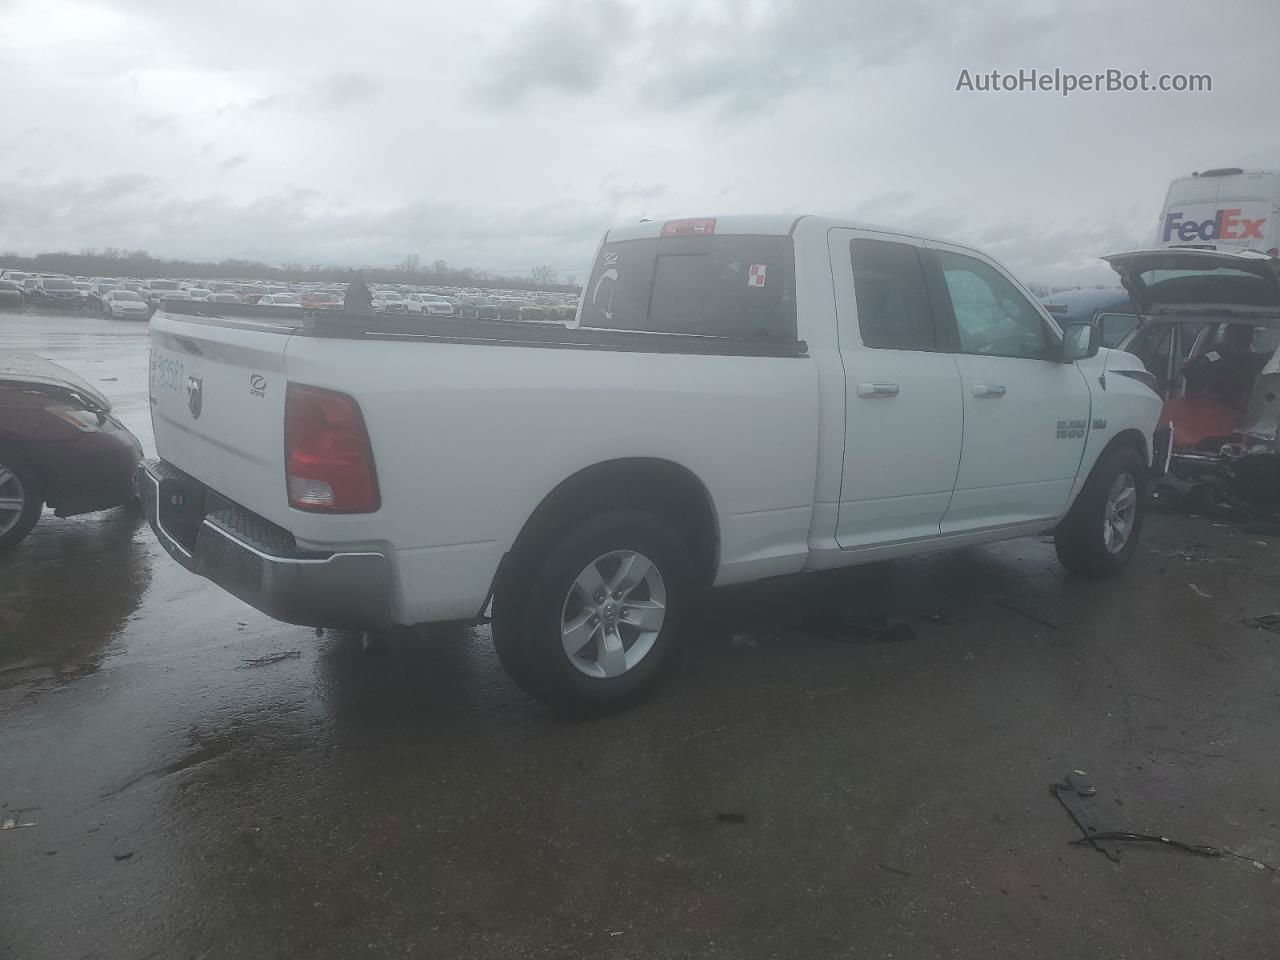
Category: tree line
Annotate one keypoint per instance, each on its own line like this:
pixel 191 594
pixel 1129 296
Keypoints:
pixel 114 262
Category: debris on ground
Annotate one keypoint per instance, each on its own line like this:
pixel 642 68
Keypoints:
pixel 742 640
pixel 1073 795
pixel 1198 592
pixel 1189 555
pixel 123 856
pixel 273 658
pixel 729 817
pixel 1199 849
pixel 1012 607
pixel 1268 621
pixel 13 823
pixel 898 870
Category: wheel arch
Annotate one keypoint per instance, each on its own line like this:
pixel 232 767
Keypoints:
pixel 667 488
pixel 1129 437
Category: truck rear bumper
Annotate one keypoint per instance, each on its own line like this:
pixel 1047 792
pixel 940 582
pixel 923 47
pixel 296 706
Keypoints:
pixel 260 562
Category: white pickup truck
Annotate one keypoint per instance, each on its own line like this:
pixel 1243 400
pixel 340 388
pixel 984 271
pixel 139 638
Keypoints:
pixel 738 398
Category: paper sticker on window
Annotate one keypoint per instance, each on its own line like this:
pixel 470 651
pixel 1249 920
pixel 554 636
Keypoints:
pixel 755 276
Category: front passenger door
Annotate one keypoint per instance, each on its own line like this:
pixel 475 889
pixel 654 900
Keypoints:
pixel 1026 415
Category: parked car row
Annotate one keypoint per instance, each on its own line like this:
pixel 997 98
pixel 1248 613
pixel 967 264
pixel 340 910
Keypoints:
pixel 134 298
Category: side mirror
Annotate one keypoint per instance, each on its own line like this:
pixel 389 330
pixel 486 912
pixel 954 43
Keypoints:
pixel 1080 341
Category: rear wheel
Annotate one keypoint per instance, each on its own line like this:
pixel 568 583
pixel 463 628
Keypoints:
pixel 589 619
pixel 1100 534
pixel 21 498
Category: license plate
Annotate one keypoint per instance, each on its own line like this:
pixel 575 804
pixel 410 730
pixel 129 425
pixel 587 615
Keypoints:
pixel 168 373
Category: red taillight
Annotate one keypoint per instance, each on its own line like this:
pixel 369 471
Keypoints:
pixel 696 227
pixel 328 460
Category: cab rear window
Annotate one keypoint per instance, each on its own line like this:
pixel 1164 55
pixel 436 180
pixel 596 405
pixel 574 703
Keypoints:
pixel 727 286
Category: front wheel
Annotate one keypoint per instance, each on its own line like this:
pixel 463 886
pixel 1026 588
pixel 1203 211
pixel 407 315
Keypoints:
pixel 588 621
pixel 1100 534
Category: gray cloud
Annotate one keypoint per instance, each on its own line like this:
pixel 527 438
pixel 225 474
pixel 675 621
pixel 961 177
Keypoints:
pixel 335 91
pixel 343 89
pixel 516 135
pixel 739 56
pixel 565 47
pixel 139 212
pixel 166 123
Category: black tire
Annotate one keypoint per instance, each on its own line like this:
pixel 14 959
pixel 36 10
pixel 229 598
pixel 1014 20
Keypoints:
pixel 26 479
pixel 531 598
pixel 1081 538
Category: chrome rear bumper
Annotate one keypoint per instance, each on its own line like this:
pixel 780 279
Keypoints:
pixel 260 562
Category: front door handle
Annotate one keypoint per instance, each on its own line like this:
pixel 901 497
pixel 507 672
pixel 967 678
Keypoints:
pixel 988 390
pixel 877 389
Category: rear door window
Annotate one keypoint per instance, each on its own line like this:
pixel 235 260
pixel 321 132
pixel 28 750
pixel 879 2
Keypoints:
pixel 727 286
pixel 893 299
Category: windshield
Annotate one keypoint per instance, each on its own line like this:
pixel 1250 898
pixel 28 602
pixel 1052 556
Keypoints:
pixel 124 295
pixel 58 285
pixel 163 285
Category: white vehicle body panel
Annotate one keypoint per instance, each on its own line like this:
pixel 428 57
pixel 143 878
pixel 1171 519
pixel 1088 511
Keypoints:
pixel 901 404
pixel 801 473
pixel 1045 405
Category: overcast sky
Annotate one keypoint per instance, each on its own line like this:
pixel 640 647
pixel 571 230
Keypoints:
pixel 502 135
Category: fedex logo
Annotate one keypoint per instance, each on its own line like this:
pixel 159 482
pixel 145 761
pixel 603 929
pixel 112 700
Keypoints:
pixel 1225 225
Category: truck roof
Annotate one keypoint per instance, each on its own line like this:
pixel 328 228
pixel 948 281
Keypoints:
pixel 768 224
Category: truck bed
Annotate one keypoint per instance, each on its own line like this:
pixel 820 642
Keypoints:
pixel 335 324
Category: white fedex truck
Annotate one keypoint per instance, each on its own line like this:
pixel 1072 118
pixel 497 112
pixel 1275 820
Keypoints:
pixel 1228 207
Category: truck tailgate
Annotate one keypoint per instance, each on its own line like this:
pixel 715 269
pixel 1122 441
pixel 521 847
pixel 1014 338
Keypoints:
pixel 217 406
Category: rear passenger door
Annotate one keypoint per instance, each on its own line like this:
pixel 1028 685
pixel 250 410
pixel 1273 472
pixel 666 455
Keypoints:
pixel 1026 414
pixel 903 420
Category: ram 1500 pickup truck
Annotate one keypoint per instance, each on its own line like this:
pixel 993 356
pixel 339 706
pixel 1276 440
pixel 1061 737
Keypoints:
pixel 737 398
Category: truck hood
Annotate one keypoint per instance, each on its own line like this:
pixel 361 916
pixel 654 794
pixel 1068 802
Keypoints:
pixel 28 370
pixel 1186 280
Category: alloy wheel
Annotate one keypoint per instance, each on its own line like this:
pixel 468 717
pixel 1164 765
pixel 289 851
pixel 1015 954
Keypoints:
pixel 613 614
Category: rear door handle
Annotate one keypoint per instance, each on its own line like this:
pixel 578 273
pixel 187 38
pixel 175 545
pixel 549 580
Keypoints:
pixel 988 390
pixel 877 389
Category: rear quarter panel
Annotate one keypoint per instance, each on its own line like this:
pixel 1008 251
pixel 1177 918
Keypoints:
pixel 469 439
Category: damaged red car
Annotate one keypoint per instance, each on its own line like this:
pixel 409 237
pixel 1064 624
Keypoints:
pixel 1210 338
pixel 59 446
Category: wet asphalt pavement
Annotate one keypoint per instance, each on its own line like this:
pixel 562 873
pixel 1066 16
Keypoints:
pixel 788 793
